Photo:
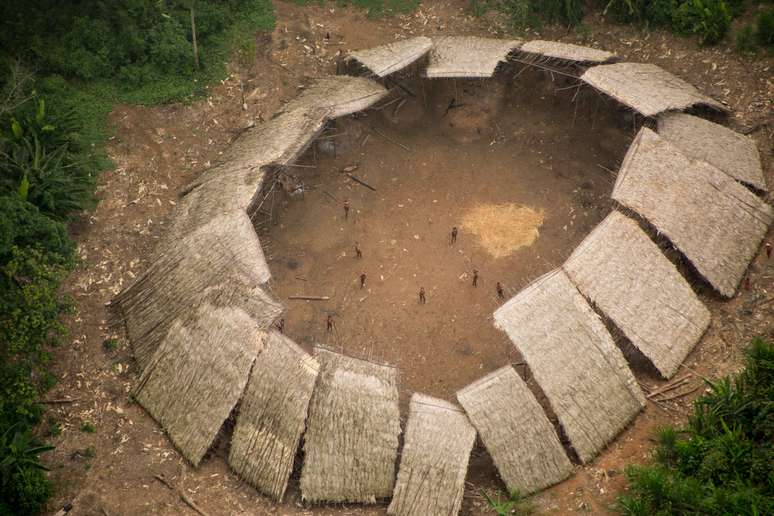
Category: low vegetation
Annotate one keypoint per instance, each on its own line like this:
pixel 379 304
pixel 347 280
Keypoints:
pixel 85 56
pixel 722 462
pixel 709 20
pixel 513 505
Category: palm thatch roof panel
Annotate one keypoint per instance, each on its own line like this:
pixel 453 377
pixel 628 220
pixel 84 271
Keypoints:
pixel 567 52
pixel 197 375
pixel 340 95
pixel 646 88
pixel 272 415
pixel 228 194
pixel 393 57
pixel 574 360
pixel 351 442
pixel 515 431
pixel 714 221
pixel 699 139
pixel 619 269
pixel 434 460
pixel 235 184
pixel 221 263
pixel 467 56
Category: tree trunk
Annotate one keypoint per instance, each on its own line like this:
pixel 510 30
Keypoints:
pixel 193 36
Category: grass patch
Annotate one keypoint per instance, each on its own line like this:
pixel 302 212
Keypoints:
pixel 110 344
pixel 512 505
pixel 88 427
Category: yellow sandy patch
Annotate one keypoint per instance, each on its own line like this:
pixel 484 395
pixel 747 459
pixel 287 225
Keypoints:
pixel 503 228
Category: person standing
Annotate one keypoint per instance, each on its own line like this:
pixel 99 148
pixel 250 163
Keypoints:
pixel 475 277
pixel 362 280
pixel 281 326
pixel 346 209
pixel 422 298
pixel 358 252
pixel 768 250
pixel 453 235
pixel 500 291
pixel 329 324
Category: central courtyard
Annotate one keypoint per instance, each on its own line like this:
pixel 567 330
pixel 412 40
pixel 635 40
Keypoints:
pixel 518 168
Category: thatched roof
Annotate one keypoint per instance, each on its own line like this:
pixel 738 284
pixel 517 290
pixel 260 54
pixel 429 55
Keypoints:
pixel 340 94
pixel 467 56
pixel 393 57
pixel 351 441
pixel 221 263
pixel 731 152
pixel 574 360
pixel 646 88
pixel 272 415
pixel 434 461
pixel 714 221
pixel 235 184
pixel 625 274
pixel 515 431
pixel 567 52
pixel 196 376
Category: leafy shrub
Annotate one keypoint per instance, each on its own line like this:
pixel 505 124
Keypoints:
pixel 654 12
pixel 659 13
pixel 29 309
pixel 519 12
pixel 708 19
pixel 745 39
pixel 722 463
pixel 22 225
pixel 39 160
pixel 764 30
pixel 568 12
pixel 24 487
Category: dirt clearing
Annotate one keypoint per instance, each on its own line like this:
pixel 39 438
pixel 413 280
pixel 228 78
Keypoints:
pixel 500 161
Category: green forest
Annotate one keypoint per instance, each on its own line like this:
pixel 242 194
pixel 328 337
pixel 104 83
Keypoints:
pixel 63 65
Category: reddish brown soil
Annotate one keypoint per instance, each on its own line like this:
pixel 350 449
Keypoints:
pixel 502 147
pixel 157 150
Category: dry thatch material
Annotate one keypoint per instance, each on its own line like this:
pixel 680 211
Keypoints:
pixel 351 441
pixel 621 270
pixel 515 431
pixel 434 461
pixel 467 56
pixel 714 221
pixel 272 414
pixel 393 57
pixel 731 152
pixel 567 52
pixel 646 88
pixel 235 184
pixel 195 378
pixel 574 360
pixel 220 264
pixel 341 95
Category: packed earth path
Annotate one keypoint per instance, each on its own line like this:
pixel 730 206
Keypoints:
pixel 159 150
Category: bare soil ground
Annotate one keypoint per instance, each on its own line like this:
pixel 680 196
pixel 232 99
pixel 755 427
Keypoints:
pixel 158 150
pixel 498 167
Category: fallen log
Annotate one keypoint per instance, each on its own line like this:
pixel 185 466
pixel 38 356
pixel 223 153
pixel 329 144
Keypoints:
pixel 360 181
pixel 311 298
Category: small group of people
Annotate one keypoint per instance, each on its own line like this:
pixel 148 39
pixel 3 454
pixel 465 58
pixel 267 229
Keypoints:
pixel 422 293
